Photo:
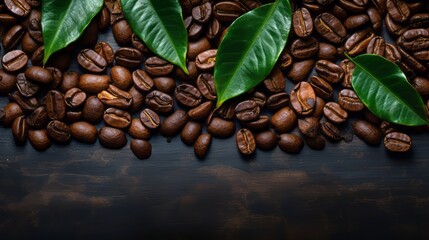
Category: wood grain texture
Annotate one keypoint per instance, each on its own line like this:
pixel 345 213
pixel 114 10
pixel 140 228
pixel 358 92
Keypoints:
pixel 348 190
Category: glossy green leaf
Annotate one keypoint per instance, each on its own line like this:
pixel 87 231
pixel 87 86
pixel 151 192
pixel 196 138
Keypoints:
pixel 63 21
pixel 159 24
pixel 251 48
pixel 384 89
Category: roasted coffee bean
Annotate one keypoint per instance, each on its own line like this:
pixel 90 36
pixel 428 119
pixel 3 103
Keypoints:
pixel 121 77
pixel 14 60
pixel 202 145
pixel 350 101
pixel 188 95
pixel 278 101
pixel 227 11
pixel 93 109
pixel 194 28
pixel 398 10
pixel 142 81
pixel 329 71
pixel 304 48
pixel 20 130
pixel 115 97
pixel 420 20
pixel 11 111
pixel 94 84
pixel 104 19
pixel 303 98
pixel 393 27
pixel 247 110
pixel 377 45
pixel 18 7
pixel 202 13
pixel 192 72
pixel 321 88
pixel 138 130
pixel 380 5
pixel 39 139
pixel 338 11
pixel 37 57
pixel 386 127
pixel 25 87
pixel 410 61
pixel 308 126
pixel 316 143
pixel 112 137
pixel 117 118
pixel 57 77
pixel 91 61
pixel 348 68
pixel 334 112
pixel 397 142
pixel 221 128
pixel 290 143
pixel 191 132
pixel 75 98
pixel 421 84
pixel 201 112
pixel 196 47
pixel 206 86
pixel 27 104
pixel 414 40
pixel 150 119
pixel 245 141
pixel 122 32
pixel 356 21
pixel 375 18
pixel 354 6
pixel 73 116
pixel 318 108
pixel 302 22
pixel 156 66
pixel 422 56
pixel 275 82
pixel 55 105
pixel 115 10
pixel 35 29
pixel 299 71
pixel 39 75
pixel 284 120
pixel 105 51
pixel 327 51
pixel 205 61
pixel 159 101
pixel 7 81
pixel 142 149
pixel 128 57
pixel 266 140
pixel 331 132
pixel 285 60
pixel 367 132
pixel 227 110
pixel 84 132
pixel 214 29
pixel 70 80
pixel 164 84
pixel 138 99
pixel 7 20
pixel 38 118
pixel 173 124
pixel 358 42
pixel 330 27
pixel 259 98
pixel 58 131
pixel 13 37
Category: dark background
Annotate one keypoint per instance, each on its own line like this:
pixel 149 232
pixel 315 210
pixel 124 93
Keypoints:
pixel 348 190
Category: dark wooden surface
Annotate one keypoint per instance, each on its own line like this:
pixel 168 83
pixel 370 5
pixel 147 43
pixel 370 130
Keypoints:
pixel 348 190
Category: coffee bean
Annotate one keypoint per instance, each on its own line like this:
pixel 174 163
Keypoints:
pixel 410 61
pixel 58 131
pixel 397 142
pixel 55 105
pixel 192 72
pixel 39 74
pixel 57 77
pixel 377 45
pixel 205 61
pixel 285 60
pixel 221 128
pixel 266 140
pixel 138 99
pixel 93 109
pixel 284 120
pixel 367 132
pixel 142 81
pixel 227 11
pixel 142 149
pixel 112 138
pixel 128 57
pixel 75 98
pixel 196 47
pixel 247 110
pixel 330 27
pixel 355 6
pixel 206 86
pixel 191 132
pixel 290 143
pixel 318 108
pixel 329 71
pixel 214 29
pixel 105 51
pixel 275 82
pixel 156 66
pixel 91 61
pixel 202 145
pixel 25 87
pixel 138 130
pixel 316 143
pixel 334 112
pixel 117 118
pixel 94 84
pixel 194 28
pixel 277 101
pixel 27 104
pixel 380 5
pixel 350 101
pixel 150 119
pixel 35 29
pixel 165 84
pixel 398 10
pixel 259 98
pixel 421 84
pixel 356 21
pixel 321 88
pixel 419 20
pixel 375 18
pixel 121 77
pixel 245 141
pixel 18 7
pixel 38 118
pixel 37 57
pixel 304 48
pixel 174 123
pixel 20 130
pixel 202 13
pixel 11 111
pixel 104 19
pixel 348 68
pixel 303 98
pixel 308 126
pixel 188 95
pixel 7 20
pixel 115 97
pixel 70 80
pixel 201 111
pixel 302 22
pixel 159 101
pixel 257 125
pixel 330 131
pixel 14 60
pixel 73 116
pixel 327 51
pixel 414 40
pixel 393 27
pixel 13 37
pixel 39 139
pixel 299 71
pixel 358 42
pixel 122 32
pixel 7 81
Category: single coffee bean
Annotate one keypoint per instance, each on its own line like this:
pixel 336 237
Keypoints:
pixel 55 105
pixel 221 128
pixel 18 7
pixel 227 110
pixel 277 101
pixel 329 71
pixel 367 132
pixel 138 99
pixel 173 124
pixel 318 108
pixel 348 68
pixel 122 32
pixel 201 111
pixel 159 101
pixel 58 131
pixel 397 142
pixel 202 145
pixel 308 126
pixel 39 74
pixel 105 51
pixel 191 132
pixel 7 81
pixel 75 98
pixel 330 27
pixel 377 45
pixel 421 84
pixel 27 104
pixel 138 130
pixel 398 10
pixel 410 61
pixel 356 21
pixel 115 10
pixel 25 87
pixel 13 37
pixel 290 143
pixel 142 149
pixel 422 55
pixel 37 57
pixel 321 88
pixel 93 109
pixel 115 97
pixel 196 47
pixel 259 98
pixel 316 143
pixel 245 141
pixel 257 125
pixel 94 84
pixel 335 113
pixel 327 51
pixel 205 61
pixel 128 57
pixel 299 70
pixel 414 40
pixel 266 140
pixel 302 22
pixel 11 112
pixel 7 20
pixel 73 116
pixel 355 6
pixel 284 120
pixel 350 101
pixel 380 5
pixel 142 81
pixel 188 95
pixel 57 77
pixel 393 27
pixel 193 28
pixel 419 20
pixel 38 118
pixel 227 11
pixel 247 110
pixel 331 132
pixel 20 130
pixel 84 132
pixel 386 127
pixel 285 60
pixel 214 29
pixel 156 66
pixel 304 48
pixel 70 80
pixel 303 98
pixel 14 60
pixel 358 42
pixel 117 118
pixel 39 139
pixel 150 119
pixel 112 138
pixel 35 29
pixel 165 84
pixel 121 77
pixel 206 86
pixel 104 19
pixel 375 19
pixel 202 13
pixel 91 61
pixel 192 72
pixel 275 82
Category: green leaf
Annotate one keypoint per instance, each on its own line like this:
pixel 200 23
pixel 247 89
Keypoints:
pixel 63 21
pixel 384 89
pixel 250 49
pixel 159 23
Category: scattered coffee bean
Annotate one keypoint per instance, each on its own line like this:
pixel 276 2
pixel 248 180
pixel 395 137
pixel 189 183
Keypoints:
pixel 397 142
pixel 290 143
pixel 367 132
pixel 142 149
pixel 112 137
pixel 202 145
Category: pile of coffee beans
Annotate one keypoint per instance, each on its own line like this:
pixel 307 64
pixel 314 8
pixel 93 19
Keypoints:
pixel 129 90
